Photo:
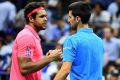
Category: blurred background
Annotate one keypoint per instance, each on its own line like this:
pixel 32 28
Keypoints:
pixel 105 20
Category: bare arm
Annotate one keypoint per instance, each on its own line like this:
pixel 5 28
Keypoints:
pixel 27 66
pixel 64 71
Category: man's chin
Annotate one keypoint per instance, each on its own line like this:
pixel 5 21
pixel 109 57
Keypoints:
pixel 42 28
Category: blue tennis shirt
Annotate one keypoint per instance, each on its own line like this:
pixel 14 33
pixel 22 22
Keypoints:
pixel 85 50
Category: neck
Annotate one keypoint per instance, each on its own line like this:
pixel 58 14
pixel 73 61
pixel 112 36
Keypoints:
pixel 108 39
pixel 82 26
pixel 33 27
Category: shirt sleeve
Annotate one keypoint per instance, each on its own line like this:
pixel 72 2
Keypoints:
pixel 69 52
pixel 25 46
pixel 12 13
pixel 106 16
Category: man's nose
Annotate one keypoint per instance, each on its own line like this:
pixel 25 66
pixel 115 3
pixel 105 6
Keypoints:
pixel 68 20
pixel 45 18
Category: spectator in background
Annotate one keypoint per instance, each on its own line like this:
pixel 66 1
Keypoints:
pixel 6 50
pixel 63 27
pixel 52 32
pixel 56 29
pixel 1 60
pixel 104 2
pixel 19 20
pixel 7 14
pixel 115 22
pixel 54 9
pixel 111 46
pixel 99 18
pixel 113 7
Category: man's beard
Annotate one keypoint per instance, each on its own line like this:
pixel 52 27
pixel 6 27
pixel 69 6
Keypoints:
pixel 74 27
pixel 42 28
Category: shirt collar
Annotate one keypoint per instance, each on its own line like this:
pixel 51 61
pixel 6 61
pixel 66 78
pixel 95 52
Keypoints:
pixel 109 40
pixel 88 30
pixel 32 30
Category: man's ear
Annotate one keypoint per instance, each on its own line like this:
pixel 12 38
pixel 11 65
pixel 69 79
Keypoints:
pixel 31 19
pixel 78 19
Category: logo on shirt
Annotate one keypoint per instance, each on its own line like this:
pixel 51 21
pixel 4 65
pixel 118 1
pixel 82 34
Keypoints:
pixel 28 52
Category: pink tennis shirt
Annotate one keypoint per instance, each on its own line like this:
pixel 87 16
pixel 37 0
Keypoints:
pixel 27 44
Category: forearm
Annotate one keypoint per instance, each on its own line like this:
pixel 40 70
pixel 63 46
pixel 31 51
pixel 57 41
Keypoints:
pixel 61 75
pixel 30 67
pixel 64 71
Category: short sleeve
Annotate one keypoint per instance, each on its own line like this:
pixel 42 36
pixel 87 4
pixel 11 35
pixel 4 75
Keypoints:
pixel 25 46
pixel 106 16
pixel 12 13
pixel 69 50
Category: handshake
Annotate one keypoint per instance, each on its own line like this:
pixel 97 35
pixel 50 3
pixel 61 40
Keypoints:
pixel 55 54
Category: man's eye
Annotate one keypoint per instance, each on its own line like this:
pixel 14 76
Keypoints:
pixel 69 16
pixel 41 16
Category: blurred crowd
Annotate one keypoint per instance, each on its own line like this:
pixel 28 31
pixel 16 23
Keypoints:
pixel 105 20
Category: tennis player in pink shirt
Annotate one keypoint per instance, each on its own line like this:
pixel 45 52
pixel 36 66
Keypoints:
pixel 27 54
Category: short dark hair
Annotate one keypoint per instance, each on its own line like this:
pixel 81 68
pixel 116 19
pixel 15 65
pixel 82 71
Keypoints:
pixel 30 7
pixel 110 28
pixel 81 9
pixel 99 4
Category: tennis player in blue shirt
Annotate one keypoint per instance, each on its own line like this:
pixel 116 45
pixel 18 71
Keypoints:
pixel 83 51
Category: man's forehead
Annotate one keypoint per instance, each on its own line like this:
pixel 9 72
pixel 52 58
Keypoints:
pixel 107 30
pixel 70 11
pixel 42 12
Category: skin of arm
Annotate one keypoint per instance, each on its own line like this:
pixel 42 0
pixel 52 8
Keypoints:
pixel 64 71
pixel 27 66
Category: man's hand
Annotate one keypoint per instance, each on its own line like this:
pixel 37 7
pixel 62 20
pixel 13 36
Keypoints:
pixel 55 54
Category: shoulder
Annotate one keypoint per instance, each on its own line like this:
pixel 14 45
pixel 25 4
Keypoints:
pixel 98 38
pixel 9 5
pixel 112 5
pixel 116 40
pixel 24 32
pixel 105 13
pixel 101 42
pixel 71 40
pixel 25 35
